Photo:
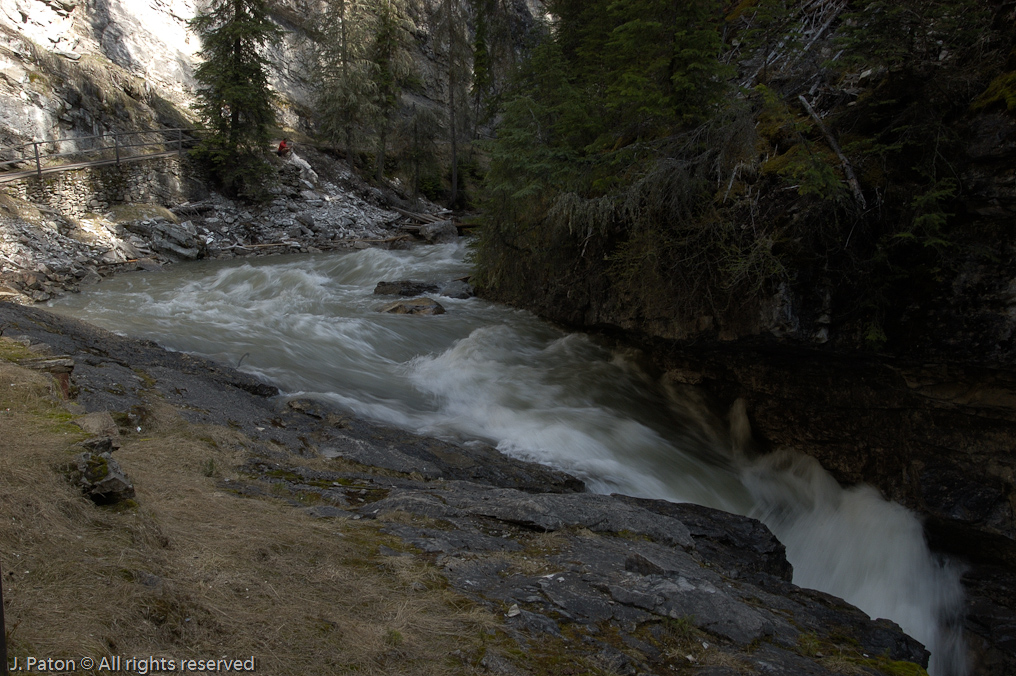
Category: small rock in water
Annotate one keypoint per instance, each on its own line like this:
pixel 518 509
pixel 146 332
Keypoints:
pixel 404 288
pixel 149 264
pixel 416 306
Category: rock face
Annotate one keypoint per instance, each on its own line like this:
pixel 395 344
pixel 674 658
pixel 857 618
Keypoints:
pixel 630 565
pixel 94 51
pixel 457 288
pixel 936 438
pixel 65 239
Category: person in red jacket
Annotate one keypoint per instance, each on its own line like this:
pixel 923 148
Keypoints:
pixel 283 148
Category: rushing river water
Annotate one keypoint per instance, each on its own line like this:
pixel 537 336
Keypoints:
pixel 310 324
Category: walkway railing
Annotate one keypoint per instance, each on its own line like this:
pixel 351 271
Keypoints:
pixel 48 157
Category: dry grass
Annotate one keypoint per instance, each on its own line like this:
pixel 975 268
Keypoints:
pixel 134 212
pixel 13 207
pixel 194 571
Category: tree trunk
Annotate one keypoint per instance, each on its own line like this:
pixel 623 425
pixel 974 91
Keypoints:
pixel 451 105
pixel 416 154
pixel 234 113
pixel 344 51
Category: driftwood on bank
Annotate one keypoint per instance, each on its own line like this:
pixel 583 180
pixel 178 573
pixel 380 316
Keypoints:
pixel 424 218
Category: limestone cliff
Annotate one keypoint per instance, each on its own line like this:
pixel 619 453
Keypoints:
pixel 83 67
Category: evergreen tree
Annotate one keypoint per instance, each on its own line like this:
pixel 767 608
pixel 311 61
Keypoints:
pixel 482 75
pixel 343 71
pixel 605 147
pixel 416 145
pixel 391 65
pixel 499 31
pixel 455 52
pixel 235 100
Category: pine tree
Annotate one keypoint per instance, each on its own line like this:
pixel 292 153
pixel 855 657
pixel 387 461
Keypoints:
pixel 234 97
pixel 343 71
pixel 391 65
pixel 499 30
pixel 482 75
pixel 416 144
pixel 454 49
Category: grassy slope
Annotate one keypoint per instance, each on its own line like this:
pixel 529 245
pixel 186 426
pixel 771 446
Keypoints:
pixel 193 571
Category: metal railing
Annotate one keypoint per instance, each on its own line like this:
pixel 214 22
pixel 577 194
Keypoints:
pixel 112 148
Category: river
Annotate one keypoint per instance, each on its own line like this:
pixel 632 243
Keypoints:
pixel 310 324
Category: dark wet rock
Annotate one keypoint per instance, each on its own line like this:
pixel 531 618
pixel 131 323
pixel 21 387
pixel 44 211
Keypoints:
pixel 991 619
pixel 328 512
pixel 404 288
pixel 615 563
pixel 149 264
pixel 435 540
pixel 100 444
pixel 415 306
pixel 534 624
pixel 170 239
pixel 542 512
pixel 717 533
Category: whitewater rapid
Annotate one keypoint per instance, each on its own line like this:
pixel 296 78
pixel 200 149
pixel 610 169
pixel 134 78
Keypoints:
pixel 483 371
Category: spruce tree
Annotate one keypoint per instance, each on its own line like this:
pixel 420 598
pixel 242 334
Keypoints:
pixel 344 71
pixel 234 97
pixel 391 67
pixel 455 51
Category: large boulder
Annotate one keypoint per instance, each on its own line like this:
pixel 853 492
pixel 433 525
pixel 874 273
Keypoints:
pixel 174 241
pixel 442 232
pixel 101 425
pixel 100 478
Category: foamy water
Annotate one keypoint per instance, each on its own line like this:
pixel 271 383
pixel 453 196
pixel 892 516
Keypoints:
pixel 482 371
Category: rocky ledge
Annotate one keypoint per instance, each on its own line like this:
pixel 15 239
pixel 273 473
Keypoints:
pixel 630 586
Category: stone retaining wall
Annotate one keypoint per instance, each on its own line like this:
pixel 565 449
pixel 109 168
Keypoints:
pixel 166 180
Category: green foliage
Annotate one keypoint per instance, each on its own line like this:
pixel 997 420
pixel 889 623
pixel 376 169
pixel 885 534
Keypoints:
pixel 772 29
pixel 415 147
pixel 455 54
pixel 482 65
pixel 912 35
pixel 362 66
pixel 629 172
pixel 234 98
pixel 343 72
pixel 610 150
pixel 392 65
pixel 1001 92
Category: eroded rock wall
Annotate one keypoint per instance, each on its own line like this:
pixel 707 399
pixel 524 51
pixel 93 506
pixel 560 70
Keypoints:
pixel 75 68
